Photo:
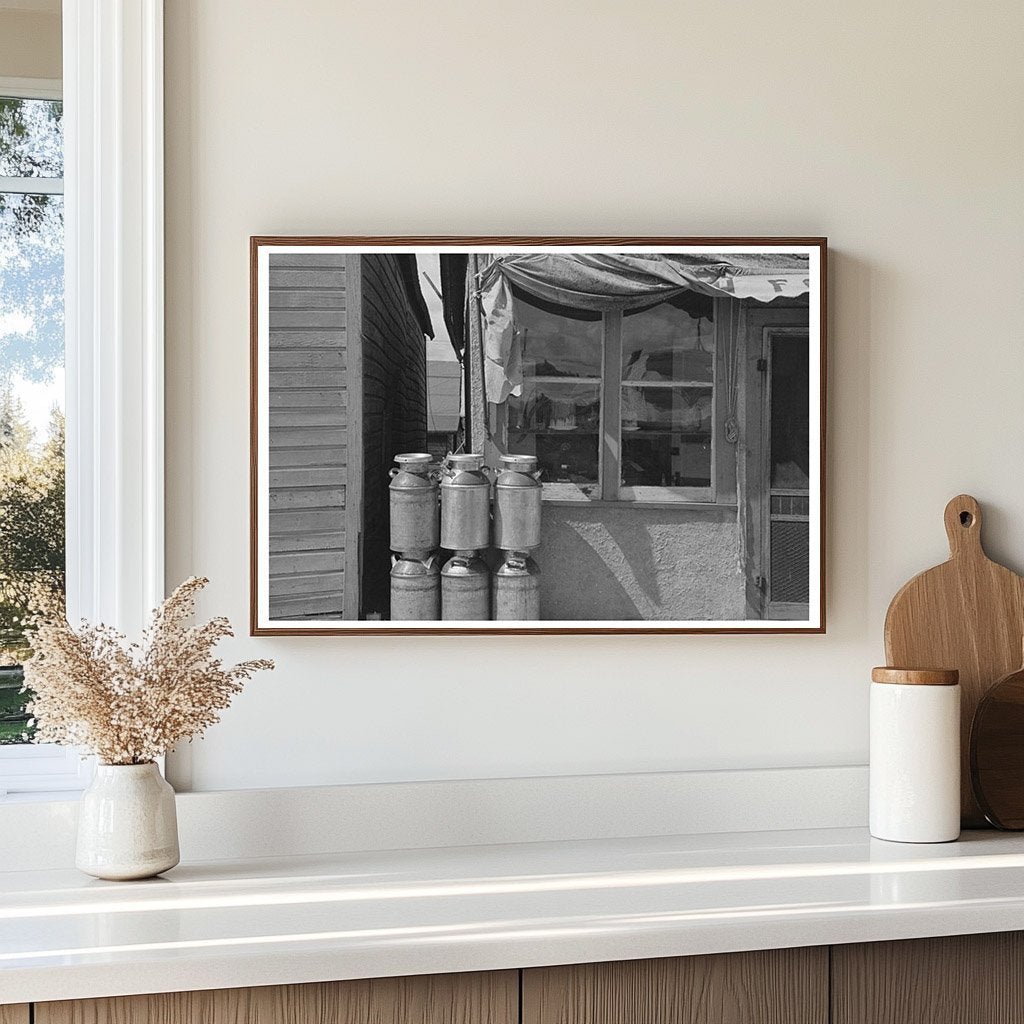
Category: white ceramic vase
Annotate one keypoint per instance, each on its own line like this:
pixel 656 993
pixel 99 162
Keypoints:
pixel 127 825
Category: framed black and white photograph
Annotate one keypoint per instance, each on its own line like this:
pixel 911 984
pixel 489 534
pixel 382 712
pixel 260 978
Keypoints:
pixel 537 435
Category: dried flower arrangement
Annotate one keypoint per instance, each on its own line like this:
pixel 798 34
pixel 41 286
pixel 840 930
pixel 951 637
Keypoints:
pixel 130 703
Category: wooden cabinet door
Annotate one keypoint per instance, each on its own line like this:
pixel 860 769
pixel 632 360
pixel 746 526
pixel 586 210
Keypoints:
pixel 778 986
pixel 483 998
pixel 961 979
pixel 14 1014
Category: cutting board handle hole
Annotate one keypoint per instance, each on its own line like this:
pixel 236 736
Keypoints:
pixel 962 518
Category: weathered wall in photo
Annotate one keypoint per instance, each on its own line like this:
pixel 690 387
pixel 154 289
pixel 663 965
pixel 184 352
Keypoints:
pixel 394 409
pixel 640 563
pixel 308 423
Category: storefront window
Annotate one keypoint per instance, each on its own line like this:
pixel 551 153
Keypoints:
pixel 667 398
pixel 557 417
pixel 666 436
pixel 665 384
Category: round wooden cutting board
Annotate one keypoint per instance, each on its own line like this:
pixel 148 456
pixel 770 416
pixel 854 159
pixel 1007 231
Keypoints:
pixel 968 614
pixel 997 752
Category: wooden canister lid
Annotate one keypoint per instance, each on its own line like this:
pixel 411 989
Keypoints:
pixel 916 676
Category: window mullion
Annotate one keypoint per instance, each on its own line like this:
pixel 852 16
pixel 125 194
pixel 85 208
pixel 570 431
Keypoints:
pixel 611 407
pixel 32 186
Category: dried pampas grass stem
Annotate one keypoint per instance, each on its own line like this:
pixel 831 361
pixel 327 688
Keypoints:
pixel 129 703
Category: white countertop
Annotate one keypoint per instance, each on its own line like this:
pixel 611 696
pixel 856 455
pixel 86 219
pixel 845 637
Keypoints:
pixel 351 915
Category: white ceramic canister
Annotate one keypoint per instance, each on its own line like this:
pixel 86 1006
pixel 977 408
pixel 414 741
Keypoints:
pixel 915 755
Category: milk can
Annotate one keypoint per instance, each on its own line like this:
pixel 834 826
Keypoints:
pixel 517 494
pixel 516 588
pixel 465 504
pixel 465 588
pixel 415 589
pixel 413 491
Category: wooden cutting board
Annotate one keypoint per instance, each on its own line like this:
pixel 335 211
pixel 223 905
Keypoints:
pixel 967 614
pixel 997 752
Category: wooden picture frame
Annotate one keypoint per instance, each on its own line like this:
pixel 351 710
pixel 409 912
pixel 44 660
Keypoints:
pixel 756 338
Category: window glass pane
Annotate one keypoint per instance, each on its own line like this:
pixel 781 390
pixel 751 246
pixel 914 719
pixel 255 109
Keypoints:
pixel 790 436
pixel 555 407
pixel 558 422
pixel 666 436
pixel 670 342
pixel 566 343
pixel 687 410
pixel 31 430
pixel 31 138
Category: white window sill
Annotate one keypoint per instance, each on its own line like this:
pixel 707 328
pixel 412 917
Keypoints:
pixel 42 771
pixel 40 797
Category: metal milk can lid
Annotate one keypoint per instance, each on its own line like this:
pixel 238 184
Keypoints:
pixel 466 462
pixel 414 461
pixel 519 463
pixel 464 565
pixel 518 564
pixel 413 567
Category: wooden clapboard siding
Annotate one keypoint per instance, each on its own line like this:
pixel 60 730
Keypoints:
pixel 778 986
pixel 292 496
pixel 490 998
pixel 295 562
pixel 308 607
pixel 299 521
pixel 300 358
pixel 960 979
pixel 308 427
pixel 308 476
pixel 313 319
pixel 308 540
pixel 306 338
pixel 394 409
pixel 301 585
pixel 290 458
pixel 354 475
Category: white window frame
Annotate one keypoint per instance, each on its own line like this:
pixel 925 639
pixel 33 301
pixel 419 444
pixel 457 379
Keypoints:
pixel 38 767
pixel 114 265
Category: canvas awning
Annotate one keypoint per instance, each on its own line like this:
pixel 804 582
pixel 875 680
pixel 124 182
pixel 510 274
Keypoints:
pixel 602 281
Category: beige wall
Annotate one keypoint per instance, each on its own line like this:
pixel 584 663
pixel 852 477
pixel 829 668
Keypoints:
pixel 895 129
pixel 30 44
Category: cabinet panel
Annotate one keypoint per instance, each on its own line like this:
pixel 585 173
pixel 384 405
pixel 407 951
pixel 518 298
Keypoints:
pixel 14 1014
pixel 483 998
pixel 779 986
pixel 962 979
